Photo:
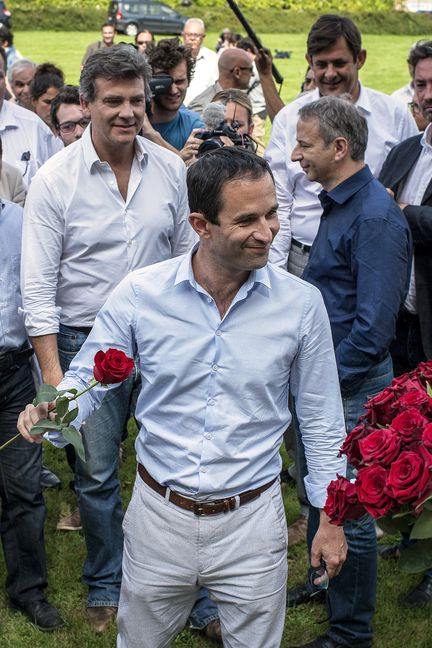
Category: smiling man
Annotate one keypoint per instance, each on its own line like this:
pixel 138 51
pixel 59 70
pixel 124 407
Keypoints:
pixel 89 220
pixel 217 352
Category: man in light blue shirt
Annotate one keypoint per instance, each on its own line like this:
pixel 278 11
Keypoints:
pixel 221 337
pixel 23 507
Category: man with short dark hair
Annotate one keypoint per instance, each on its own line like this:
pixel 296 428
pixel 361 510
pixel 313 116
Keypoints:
pixel 169 117
pixel 108 33
pixel 360 262
pixel 217 354
pixel 107 204
pixel 407 173
pixel 67 115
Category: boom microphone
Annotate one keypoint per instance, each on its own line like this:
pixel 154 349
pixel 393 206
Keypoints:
pixel 213 115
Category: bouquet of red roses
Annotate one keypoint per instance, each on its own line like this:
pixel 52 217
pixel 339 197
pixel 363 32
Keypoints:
pixel 391 449
pixel 112 366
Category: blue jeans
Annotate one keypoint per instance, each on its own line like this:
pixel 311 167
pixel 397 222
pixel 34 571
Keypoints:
pixel 97 483
pixel 204 611
pixel 22 505
pixel 352 595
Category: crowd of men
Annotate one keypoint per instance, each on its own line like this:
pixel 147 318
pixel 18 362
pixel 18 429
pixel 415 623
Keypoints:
pixel 132 237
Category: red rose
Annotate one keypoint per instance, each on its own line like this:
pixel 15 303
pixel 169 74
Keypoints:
pixel 371 482
pixel 427 437
pixel 112 367
pixel 410 477
pixel 409 424
pixel 400 382
pixel 380 447
pixel 424 372
pixel 380 407
pixel 342 501
pixel 350 446
pixel 414 398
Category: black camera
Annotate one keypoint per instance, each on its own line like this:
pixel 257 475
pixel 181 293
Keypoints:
pixel 212 138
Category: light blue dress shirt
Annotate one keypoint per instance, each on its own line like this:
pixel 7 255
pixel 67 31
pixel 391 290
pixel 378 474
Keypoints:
pixel 12 330
pixel 214 400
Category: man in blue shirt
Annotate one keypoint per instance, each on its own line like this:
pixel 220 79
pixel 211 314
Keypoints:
pixel 221 337
pixel 23 507
pixel 360 261
pixel 169 117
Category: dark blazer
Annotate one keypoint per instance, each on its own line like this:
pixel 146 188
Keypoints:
pixel 394 173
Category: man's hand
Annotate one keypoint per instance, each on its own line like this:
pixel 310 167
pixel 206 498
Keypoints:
pixel 263 62
pixel 28 418
pixel 189 151
pixel 329 544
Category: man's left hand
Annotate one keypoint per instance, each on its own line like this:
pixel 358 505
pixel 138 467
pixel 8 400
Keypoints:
pixel 329 545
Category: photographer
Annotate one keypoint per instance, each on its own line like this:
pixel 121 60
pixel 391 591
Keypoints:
pixel 235 112
pixel 172 66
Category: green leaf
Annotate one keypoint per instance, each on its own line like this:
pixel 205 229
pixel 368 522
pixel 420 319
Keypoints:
pixel 45 394
pixel 72 435
pixel 422 529
pixel 44 424
pixel 62 406
pixel 392 525
pixel 428 503
pixel 70 416
pixel 428 389
pixel 417 557
pixel 68 391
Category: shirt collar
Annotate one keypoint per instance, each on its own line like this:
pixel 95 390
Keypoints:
pixel 346 189
pixel 426 140
pixel 363 101
pixel 91 157
pixel 185 273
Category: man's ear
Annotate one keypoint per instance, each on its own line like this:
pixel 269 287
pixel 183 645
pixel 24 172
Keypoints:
pixel 361 58
pixel 85 106
pixel 200 224
pixel 308 59
pixel 341 148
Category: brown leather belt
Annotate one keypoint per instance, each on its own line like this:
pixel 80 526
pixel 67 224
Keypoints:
pixel 202 508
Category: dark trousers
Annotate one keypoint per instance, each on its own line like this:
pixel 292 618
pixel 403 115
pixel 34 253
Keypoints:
pixel 406 349
pixel 23 508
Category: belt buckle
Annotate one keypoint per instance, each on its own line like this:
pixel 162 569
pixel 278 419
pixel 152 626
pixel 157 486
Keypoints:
pixel 198 508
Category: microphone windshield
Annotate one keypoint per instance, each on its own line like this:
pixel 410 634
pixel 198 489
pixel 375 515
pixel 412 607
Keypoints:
pixel 213 115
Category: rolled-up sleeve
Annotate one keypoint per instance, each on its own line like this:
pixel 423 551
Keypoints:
pixel 318 402
pixel 40 260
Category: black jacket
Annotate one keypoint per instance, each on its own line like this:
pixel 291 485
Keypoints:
pixel 394 173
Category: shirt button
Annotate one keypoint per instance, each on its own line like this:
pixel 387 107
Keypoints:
pixel 215 367
pixel 208 436
pixel 210 300
pixel 211 402
pixel 218 333
pixel 129 243
pixel 203 469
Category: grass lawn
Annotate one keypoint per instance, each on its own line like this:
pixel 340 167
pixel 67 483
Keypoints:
pixel 395 626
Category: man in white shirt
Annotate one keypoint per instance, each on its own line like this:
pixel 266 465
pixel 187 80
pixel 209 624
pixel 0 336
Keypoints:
pixel 105 205
pixel 217 353
pixel 27 141
pixel 335 54
pixel 206 61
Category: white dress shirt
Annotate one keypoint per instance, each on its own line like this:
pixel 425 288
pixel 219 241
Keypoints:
pixel 81 237
pixel 404 94
pixel 389 122
pixel 412 194
pixel 214 400
pixel 205 73
pixel 25 135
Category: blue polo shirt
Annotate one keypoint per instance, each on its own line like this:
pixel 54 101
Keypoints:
pixel 360 261
pixel 176 131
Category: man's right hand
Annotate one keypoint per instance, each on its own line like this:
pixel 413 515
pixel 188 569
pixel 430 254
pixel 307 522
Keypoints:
pixel 263 62
pixel 28 418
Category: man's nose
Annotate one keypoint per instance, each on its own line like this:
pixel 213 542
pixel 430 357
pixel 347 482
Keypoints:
pixel 296 155
pixel 330 71
pixel 264 231
pixel 126 109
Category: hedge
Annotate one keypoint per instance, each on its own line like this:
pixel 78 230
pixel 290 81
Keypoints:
pixel 87 15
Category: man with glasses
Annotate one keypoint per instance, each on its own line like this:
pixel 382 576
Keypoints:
pixel 144 41
pixel 235 71
pixel 67 115
pixel 206 61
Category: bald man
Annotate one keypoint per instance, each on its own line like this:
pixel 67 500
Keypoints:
pixel 235 71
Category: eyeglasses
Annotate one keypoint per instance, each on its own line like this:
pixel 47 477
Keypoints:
pixel 70 126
